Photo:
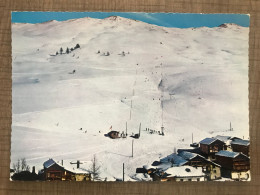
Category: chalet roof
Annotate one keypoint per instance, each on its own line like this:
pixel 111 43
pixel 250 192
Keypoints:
pixel 167 158
pixel 208 141
pixel 174 159
pixel 113 131
pixel 179 161
pixel 241 142
pixel 193 150
pixel 49 163
pixel 185 171
pixel 188 155
pixel 223 138
pixel 227 154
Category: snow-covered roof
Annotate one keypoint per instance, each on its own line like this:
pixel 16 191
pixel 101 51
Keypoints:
pixel 223 138
pixel 227 154
pixel 178 160
pixel 78 170
pixel 141 177
pixel 48 163
pixel 187 155
pixel 162 166
pixel 241 142
pixel 184 171
pixel 168 158
pixel 73 167
pixel 208 141
pixel 67 166
pixel 175 159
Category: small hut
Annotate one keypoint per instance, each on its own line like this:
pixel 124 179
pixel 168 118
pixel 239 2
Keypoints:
pixel 113 134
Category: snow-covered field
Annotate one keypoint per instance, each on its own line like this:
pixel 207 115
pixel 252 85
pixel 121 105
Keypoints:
pixel 198 75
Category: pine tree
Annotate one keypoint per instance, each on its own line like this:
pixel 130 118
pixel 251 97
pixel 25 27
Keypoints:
pixel 61 50
pixel 108 54
pixel 67 51
pixel 57 53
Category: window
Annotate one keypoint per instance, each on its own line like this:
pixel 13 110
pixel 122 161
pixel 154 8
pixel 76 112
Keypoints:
pixel 198 179
pixel 189 179
pixel 215 171
pixel 181 179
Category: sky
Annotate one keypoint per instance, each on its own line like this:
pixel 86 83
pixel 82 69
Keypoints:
pixel 177 20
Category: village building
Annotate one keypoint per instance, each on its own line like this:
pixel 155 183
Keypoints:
pixel 214 157
pixel 113 134
pixel 234 165
pixel 228 140
pixel 211 169
pixel 210 146
pixel 239 145
pixel 56 171
pixel 182 173
pixel 53 171
pixel 183 158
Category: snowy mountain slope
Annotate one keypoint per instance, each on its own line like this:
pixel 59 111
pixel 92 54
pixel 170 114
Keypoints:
pixel 198 75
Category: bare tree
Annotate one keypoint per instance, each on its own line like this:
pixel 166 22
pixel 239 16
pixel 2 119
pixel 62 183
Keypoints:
pixel 24 165
pixel 21 165
pixel 17 166
pixel 95 168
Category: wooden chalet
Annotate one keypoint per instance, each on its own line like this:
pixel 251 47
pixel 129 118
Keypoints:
pixel 53 171
pixel 239 145
pixel 56 171
pixel 210 146
pixel 211 169
pixel 235 165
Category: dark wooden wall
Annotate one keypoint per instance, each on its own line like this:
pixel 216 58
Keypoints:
pixel 196 6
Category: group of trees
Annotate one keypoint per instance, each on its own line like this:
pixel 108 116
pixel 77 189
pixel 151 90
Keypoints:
pixel 22 171
pixel 21 165
pixel 67 50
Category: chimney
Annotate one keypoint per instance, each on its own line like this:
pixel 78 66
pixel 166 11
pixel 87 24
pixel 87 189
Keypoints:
pixel 62 162
pixel 33 169
pixel 77 164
